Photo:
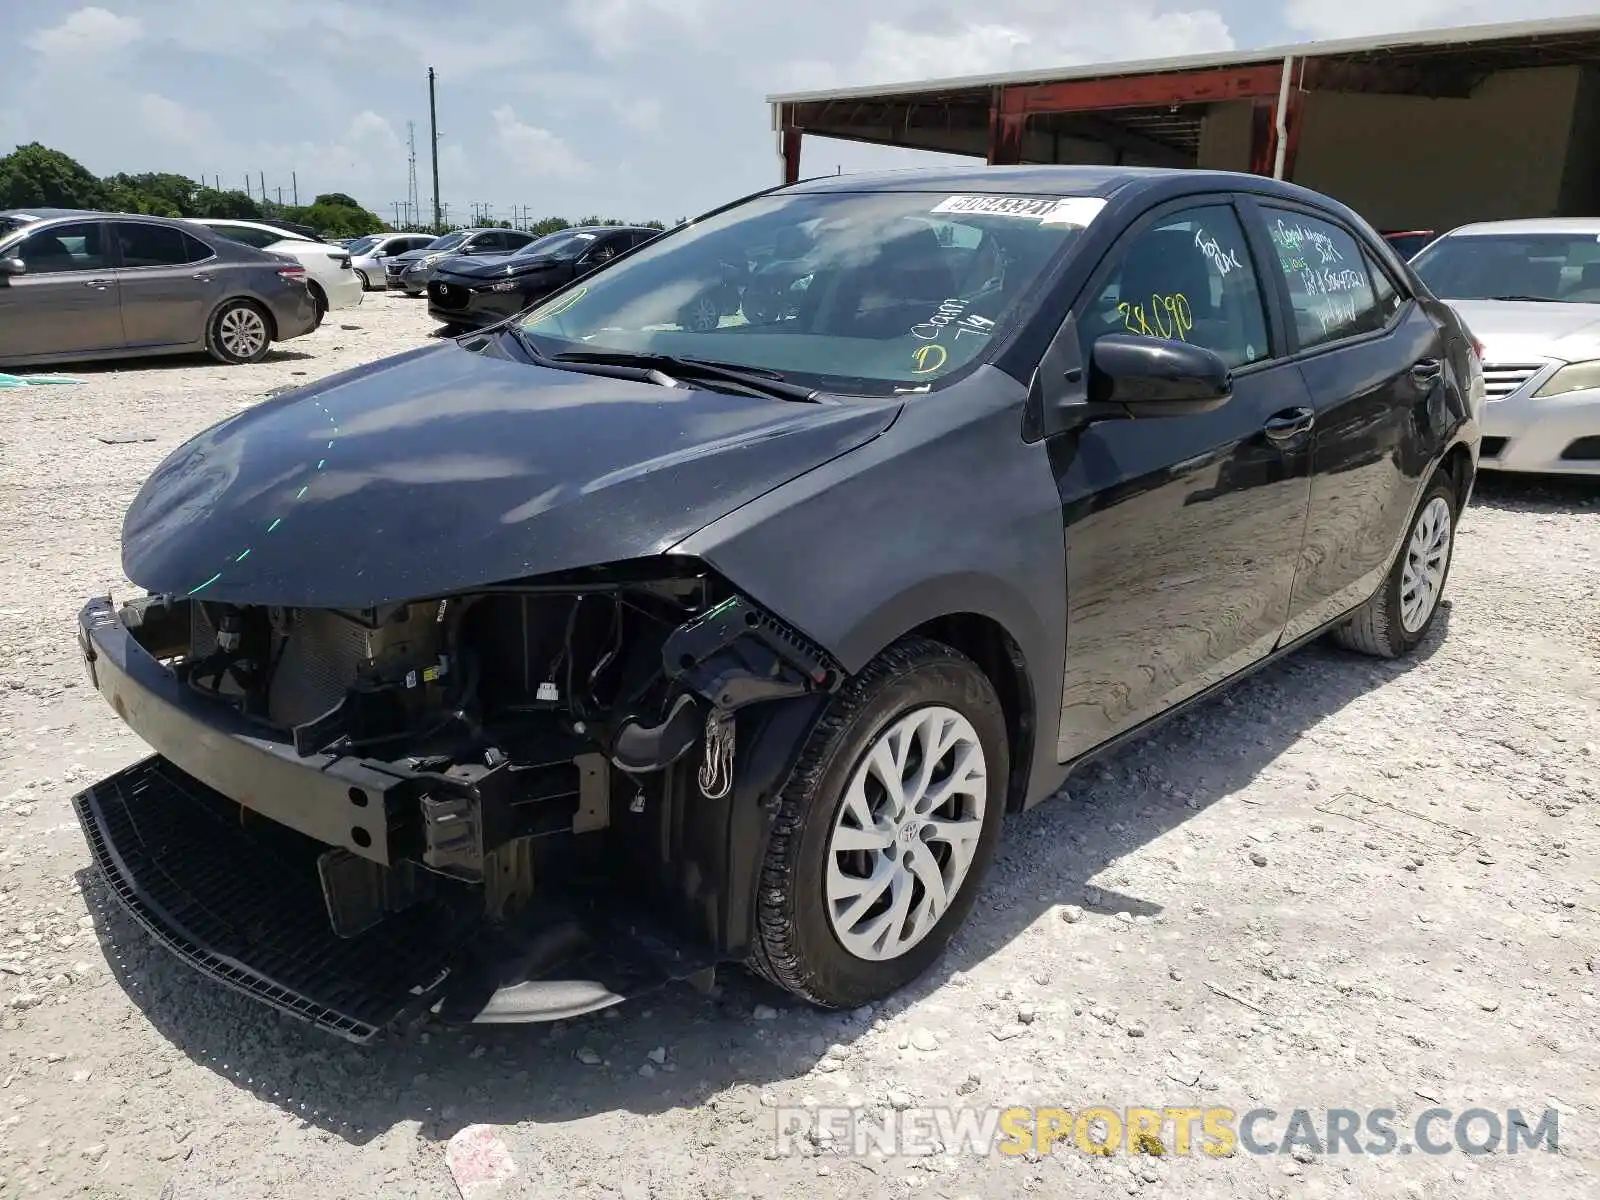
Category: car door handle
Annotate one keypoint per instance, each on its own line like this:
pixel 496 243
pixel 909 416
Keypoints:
pixel 98 285
pixel 1289 424
pixel 201 276
pixel 1426 371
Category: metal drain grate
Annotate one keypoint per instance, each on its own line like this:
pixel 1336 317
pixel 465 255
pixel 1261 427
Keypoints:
pixel 247 909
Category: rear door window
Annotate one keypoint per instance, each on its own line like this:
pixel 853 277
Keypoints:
pixel 156 245
pixel 1331 288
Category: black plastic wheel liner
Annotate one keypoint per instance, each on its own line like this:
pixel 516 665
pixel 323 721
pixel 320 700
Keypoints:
pixel 244 905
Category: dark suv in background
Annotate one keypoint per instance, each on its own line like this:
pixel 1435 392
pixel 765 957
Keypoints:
pixel 480 290
pixel 410 271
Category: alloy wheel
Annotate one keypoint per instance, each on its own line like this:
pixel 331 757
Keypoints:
pixel 242 332
pixel 905 836
pixel 1427 559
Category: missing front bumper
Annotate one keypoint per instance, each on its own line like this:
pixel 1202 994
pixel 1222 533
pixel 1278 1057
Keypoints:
pixel 240 900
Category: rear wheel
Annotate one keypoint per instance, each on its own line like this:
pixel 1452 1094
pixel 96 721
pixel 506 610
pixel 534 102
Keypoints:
pixel 701 314
pixel 366 284
pixel 885 830
pixel 1400 613
pixel 239 333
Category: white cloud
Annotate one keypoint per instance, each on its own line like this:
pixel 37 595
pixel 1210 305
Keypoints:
pixel 535 152
pixel 1358 18
pixel 614 28
pixel 643 114
pixel 172 122
pixel 87 32
pixel 1019 35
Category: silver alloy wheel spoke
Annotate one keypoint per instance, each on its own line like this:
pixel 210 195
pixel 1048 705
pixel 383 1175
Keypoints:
pixel 1427 557
pixel 243 332
pixel 906 833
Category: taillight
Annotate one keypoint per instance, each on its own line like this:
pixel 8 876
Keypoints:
pixel 295 272
pixel 1478 349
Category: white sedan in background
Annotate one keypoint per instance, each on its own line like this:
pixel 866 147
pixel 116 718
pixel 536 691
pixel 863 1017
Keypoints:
pixel 368 254
pixel 333 282
pixel 1530 292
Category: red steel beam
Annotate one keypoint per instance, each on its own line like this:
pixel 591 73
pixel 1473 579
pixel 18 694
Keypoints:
pixel 1143 91
pixel 791 154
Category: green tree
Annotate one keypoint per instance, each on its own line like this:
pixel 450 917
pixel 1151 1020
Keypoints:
pixel 549 225
pixel 654 225
pixel 35 176
pixel 338 199
pixel 158 193
pixel 235 205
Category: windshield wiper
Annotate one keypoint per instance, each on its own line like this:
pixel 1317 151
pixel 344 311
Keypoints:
pixel 1535 299
pixel 757 379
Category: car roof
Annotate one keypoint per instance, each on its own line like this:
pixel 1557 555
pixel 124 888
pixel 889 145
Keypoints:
pixel 1578 225
pixel 1047 180
pixel 47 214
pixel 287 235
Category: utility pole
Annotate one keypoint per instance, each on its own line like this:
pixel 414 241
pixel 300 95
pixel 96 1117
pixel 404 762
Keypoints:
pixel 263 187
pixel 433 129
pixel 396 205
pixel 294 182
pixel 413 205
pixel 280 195
pixel 247 194
pixel 436 223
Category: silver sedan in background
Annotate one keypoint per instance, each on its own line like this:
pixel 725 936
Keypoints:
pixel 1530 292
pixel 85 285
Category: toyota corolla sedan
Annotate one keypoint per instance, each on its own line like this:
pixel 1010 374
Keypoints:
pixel 479 290
pixel 1530 291
pixel 515 675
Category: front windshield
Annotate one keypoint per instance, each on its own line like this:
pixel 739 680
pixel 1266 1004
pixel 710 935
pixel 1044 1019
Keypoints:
pixel 361 245
pixel 845 291
pixel 447 241
pixel 557 245
pixel 1562 267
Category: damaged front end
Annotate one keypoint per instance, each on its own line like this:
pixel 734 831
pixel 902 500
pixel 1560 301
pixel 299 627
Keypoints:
pixel 522 803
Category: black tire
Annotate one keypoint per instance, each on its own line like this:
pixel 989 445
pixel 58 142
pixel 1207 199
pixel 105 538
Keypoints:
pixel 319 300
pixel 700 315
pixel 225 348
pixel 366 284
pixel 1376 627
pixel 795 946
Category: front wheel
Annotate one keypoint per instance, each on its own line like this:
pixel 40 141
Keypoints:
pixel 886 828
pixel 366 284
pixel 239 333
pixel 1400 613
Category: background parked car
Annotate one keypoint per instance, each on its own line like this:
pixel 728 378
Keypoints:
pixel 330 277
pixel 1530 291
pixel 1410 242
pixel 410 271
pixel 368 254
pixel 84 285
pixel 481 289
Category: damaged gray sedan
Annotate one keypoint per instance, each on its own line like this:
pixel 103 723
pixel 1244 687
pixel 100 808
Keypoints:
pixel 513 676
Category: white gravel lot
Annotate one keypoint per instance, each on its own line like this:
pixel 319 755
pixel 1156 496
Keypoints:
pixel 1347 884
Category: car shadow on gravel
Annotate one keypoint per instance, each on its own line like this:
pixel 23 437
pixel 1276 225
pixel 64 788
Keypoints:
pixel 164 362
pixel 1535 493
pixel 679 1048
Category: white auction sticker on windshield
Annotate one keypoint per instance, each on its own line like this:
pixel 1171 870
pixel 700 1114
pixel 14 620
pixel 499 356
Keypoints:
pixel 1072 210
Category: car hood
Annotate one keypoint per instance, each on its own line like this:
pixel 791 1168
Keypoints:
pixel 447 468
pixel 411 256
pixel 496 266
pixel 1522 331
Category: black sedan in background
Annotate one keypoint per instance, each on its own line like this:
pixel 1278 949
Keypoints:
pixel 410 271
pixel 482 290
pixel 611 646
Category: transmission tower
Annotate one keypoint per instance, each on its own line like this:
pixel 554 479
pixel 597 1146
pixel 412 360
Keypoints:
pixel 413 204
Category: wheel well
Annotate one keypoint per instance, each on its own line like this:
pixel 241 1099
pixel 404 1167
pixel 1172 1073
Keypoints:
pixel 1457 465
pixel 318 290
pixel 986 642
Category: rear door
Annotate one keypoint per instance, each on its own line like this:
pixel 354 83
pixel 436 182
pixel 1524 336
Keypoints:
pixel 1182 533
pixel 1374 363
pixel 168 279
pixel 65 302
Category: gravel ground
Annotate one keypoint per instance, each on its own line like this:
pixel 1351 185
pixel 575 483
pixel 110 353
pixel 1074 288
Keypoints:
pixel 1346 884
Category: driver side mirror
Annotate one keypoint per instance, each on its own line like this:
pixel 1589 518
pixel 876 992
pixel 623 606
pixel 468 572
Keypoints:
pixel 1154 377
pixel 12 266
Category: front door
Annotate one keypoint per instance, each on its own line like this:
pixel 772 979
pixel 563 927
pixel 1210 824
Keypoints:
pixel 1375 364
pixel 1182 533
pixel 65 301
pixel 169 283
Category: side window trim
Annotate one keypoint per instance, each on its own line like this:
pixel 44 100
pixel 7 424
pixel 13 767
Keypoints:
pixel 110 253
pixel 1278 347
pixel 1370 259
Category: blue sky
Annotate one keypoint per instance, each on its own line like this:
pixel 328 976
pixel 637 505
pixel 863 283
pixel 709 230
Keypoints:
pixel 632 108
